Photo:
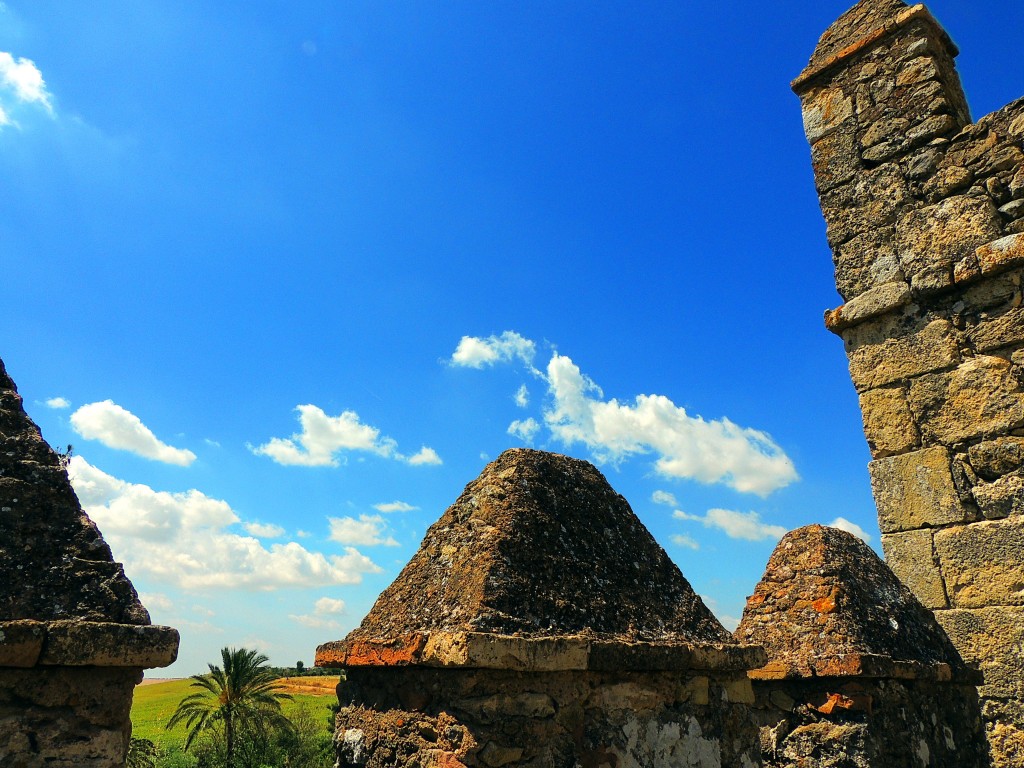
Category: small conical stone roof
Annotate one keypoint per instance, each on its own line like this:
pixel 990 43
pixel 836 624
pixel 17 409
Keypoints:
pixel 540 546
pixel 54 565
pixel 828 605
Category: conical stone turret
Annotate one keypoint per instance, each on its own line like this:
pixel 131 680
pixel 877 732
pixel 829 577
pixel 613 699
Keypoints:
pixel 541 624
pixel 859 672
pixel 540 545
pixel 53 562
pixel 74 637
pixel 828 605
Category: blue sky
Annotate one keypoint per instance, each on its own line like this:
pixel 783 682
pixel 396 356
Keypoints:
pixel 287 275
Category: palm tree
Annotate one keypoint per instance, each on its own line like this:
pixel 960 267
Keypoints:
pixel 242 693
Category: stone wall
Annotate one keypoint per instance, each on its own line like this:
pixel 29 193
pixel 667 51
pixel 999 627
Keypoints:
pixel 74 638
pixel 924 214
pixel 560 703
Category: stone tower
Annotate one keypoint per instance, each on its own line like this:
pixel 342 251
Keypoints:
pixel 540 624
pixel 74 638
pixel 925 217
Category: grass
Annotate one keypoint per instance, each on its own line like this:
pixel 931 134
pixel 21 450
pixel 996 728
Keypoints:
pixel 154 704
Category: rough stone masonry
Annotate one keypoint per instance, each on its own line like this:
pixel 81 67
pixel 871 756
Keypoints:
pixel 74 637
pixel 925 217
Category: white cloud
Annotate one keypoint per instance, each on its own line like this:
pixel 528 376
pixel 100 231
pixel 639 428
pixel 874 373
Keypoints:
pixel 323 609
pixel 850 527
pixel 328 605
pixel 524 429
pixel 367 531
pixel 202 610
pixel 687 446
pixel 664 497
pixel 425 456
pixel 475 352
pixel 314 622
pixel 522 396
pixel 156 601
pixel 58 403
pixel 183 539
pixel 264 530
pixel 736 525
pixel 324 437
pixel 682 540
pixel 22 79
pixel 119 428
pixel 394 506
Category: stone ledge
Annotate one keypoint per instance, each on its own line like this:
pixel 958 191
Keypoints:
pixel 27 643
pixel 879 300
pixel 806 78
pixel 547 654
pixel 865 665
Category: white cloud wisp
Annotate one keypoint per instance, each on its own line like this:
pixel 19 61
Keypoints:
pixel 21 84
pixel 185 540
pixel 736 525
pixel 367 531
pixel 324 439
pixel 119 428
pixel 475 352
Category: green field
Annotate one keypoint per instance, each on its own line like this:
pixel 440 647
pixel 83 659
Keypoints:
pixel 154 704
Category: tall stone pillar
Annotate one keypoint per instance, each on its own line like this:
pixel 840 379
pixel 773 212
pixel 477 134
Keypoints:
pixel 74 638
pixel 541 626
pixel 925 214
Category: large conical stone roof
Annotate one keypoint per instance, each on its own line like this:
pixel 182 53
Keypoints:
pixel 540 545
pixel 54 565
pixel 828 605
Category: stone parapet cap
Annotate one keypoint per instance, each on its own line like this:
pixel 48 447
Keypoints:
pixel 477 650
pixel 28 643
pixel 868 666
pixel 987 260
pixel 816 70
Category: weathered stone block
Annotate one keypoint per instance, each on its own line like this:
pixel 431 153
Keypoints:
pixel 1000 331
pixel 835 160
pixel 866 260
pixel 915 490
pixel 870 202
pixel 983 563
pixel 936 237
pixel 993 638
pixel 995 458
pixel 80 643
pixel 932 348
pixel 980 398
pixel 21 643
pixel 1001 498
pixel 888 423
pixel 824 111
pixel 911 556
pixel 1001 254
